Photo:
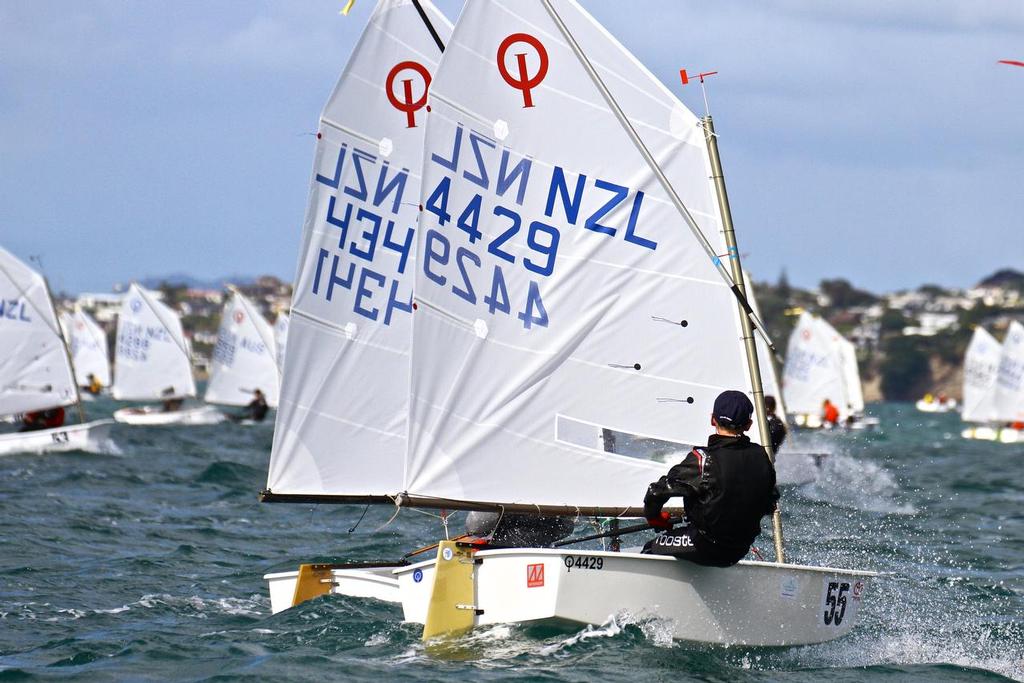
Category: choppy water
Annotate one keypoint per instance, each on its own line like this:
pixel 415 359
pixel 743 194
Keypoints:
pixel 147 565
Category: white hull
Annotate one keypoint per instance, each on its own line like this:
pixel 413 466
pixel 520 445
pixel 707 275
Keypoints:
pixel 1000 434
pixel 206 415
pixel 936 407
pixel 815 422
pixel 752 603
pixel 91 436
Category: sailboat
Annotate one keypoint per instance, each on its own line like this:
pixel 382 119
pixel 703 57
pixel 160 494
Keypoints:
pixel 822 365
pixel 35 365
pixel 994 386
pixel 245 356
pixel 90 355
pixel 153 363
pixel 567 270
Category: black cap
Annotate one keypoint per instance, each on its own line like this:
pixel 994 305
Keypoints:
pixel 732 409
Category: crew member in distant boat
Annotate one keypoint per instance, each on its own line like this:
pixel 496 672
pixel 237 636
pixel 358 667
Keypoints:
pixel 829 413
pixel 42 419
pixel 172 403
pixel 255 410
pixel 776 426
pixel 726 488
pixel 94 385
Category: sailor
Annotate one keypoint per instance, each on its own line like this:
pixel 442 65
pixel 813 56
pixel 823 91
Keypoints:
pixel 829 413
pixel 94 385
pixel 776 426
pixel 726 488
pixel 43 419
pixel 255 410
pixel 171 403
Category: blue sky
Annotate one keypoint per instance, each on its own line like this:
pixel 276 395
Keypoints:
pixel 876 140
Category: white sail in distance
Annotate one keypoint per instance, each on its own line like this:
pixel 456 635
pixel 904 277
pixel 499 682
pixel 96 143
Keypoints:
pixel 87 341
pixel 557 284
pixel 281 338
pixel 813 370
pixel 342 418
pixel 34 369
pixel 851 398
pixel 981 365
pixel 244 357
pixel 765 358
pixel 151 358
pixel 1009 394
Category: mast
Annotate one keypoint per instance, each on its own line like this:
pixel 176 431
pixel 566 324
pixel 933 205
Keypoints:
pixel 67 353
pixel 748 333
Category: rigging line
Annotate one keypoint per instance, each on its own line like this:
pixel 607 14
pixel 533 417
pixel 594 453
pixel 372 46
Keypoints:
pixel 353 527
pixel 144 294
pixel 653 165
pixel 430 26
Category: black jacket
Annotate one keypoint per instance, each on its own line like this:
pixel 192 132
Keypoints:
pixel 777 430
pixel 726 488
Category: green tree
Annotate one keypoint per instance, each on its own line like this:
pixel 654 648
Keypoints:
pixel 843 295
pixel 892 321
pixel 906 373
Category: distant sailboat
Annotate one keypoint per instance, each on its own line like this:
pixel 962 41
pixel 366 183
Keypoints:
pixel 994 386
pixel 35 365
pixel 244 358
pixel 153 363
pixel 90 354
pixel 822 365
pixel 555 264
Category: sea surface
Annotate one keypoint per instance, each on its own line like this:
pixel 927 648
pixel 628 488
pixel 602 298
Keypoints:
pixel 145 563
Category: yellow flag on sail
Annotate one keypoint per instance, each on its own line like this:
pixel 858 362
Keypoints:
pixel 348 7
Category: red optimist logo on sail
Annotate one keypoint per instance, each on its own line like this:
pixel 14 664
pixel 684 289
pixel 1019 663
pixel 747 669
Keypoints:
pixel 522 80
pixel 534 575
pixel 407 104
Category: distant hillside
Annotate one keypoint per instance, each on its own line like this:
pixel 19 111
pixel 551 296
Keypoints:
pixel 185 280
pixel 1007 278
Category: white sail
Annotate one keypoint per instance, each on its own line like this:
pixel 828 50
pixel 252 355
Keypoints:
pixel 342 420
pixel 558 286
pixel 151 359
pixel 244 358
pixel 1009 395
pixel 852 387
pixel 981 365
pixel 90 354
pixel 813 370
pixel 34 368
pixel 281 337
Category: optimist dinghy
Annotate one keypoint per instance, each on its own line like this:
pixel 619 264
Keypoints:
pixel 820 365
pixel 567 272
pixel 88 345
pixel 153 363
pixel 245 356
pixel 35 365
pixel 994 386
